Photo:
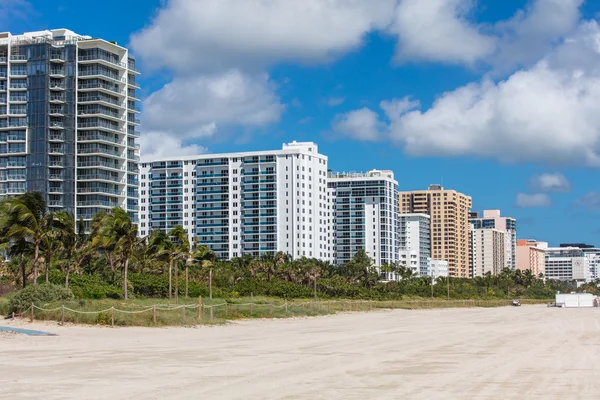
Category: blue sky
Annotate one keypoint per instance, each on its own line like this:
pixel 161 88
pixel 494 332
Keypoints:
pixel 496 99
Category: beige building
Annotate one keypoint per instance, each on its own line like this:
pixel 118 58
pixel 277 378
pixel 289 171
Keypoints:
pixel 449 212
pixel 489 251
pixel 531 255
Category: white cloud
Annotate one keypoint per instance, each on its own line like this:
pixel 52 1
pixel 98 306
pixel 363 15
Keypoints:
pixel 550 183
pixel 335 101
pixel 154 145
pixel 360 124
pixel 12 11
pixel 547 113
pixel 188 35
pixel 533 200
pixel 194 107
pixel 591 201
pixel 438 30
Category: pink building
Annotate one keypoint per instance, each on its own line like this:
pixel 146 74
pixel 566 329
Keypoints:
pixel 531 255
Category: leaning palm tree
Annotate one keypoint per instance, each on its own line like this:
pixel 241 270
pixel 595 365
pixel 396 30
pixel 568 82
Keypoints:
pixel 115 227
pixel 25 218
pixel 206 258
pixel 59 226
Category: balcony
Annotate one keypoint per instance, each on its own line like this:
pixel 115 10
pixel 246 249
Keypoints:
pixel 58 150
pixel 55 189
pixel 97 203
pixel 57 73
pixel 55 177
pixel 16 138
pixel 57 87
pixel 101 57
pixel 57 125
pixel 133 120
pixel 101 125
pixel 100 189
pixel 105 99
pixel 19 73
pixel 97 136
pixel 17 111
pixel 97 163
pixel 56 137
pixel 101 86
pixel 18 99
pixel 96 177
pixel 16 177
pixel 99 111
pixel 99 150
pixel 55 203
pixel 57 58
pixel 18 85
pixel 18 58
pixel 57 98
pixel 96 72
pixel 56 111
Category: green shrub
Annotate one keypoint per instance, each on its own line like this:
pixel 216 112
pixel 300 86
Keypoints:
pixel 45 293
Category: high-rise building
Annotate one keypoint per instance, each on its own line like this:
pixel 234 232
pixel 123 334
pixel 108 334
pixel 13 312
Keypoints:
pixel 492 220
pixel 68 117
pixel 365 215
pixel 488 251
pixel 530 257
pixel 243 203
pixel 449 212
pixel 415 242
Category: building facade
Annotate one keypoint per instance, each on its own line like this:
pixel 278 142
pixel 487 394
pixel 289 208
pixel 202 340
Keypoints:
pixel 415 242
pixel 567 264
pixel 243 203
pixel 530 257
pixel 492 220
pixel 68 118
pixel 488 251
pixel 365 215
pixel 438 269
pixel 449 213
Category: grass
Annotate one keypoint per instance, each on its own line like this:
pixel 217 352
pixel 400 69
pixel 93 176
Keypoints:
pixel 139 312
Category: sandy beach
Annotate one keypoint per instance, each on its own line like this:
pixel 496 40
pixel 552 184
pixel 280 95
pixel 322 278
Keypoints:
pixel 529 352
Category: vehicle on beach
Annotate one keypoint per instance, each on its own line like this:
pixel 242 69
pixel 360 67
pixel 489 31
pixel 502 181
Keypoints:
pixel 516 303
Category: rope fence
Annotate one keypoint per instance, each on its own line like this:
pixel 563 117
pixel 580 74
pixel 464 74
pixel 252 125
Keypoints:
pixel 211 313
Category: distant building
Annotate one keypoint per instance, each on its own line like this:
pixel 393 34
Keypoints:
pixel 530 257
pixel 438 268
pixel 449 213
pixel 567 264
pixel 415 242
pixel 492 220
pixel 488 248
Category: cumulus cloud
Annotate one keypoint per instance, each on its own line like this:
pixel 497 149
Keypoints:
pixel 550 183
pixel 546 113
pixel 525 200
pixel 438 30
pixel 195 107
pixel 591 201
pixel 360 124
pixel 155 145
pixel 187 35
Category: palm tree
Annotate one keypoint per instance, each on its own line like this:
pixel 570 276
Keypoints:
pixel 160 244
pixel 25 218
pixel 206 257
pixel 115 228
pixel 59 226
pixel 181 252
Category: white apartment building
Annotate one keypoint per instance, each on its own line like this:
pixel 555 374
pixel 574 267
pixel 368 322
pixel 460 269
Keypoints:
pixel 437 269
pixel 488 252
pixel 365 215
pixel 68 117
pixel 243 203
pixel 415 242
pixel 492 220
pixel 567 264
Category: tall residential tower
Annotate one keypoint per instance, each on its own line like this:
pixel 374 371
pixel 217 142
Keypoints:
pixel 449 212
pixel 68 117
pixel 492 220
pixel 243 203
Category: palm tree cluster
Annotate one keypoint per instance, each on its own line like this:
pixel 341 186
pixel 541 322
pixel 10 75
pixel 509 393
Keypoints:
pixel 32 237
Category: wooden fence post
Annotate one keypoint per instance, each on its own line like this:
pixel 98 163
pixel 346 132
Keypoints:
pixel 211 313
pixel 112 317
pixel 286 307
pixel 62 314
pixel 271 309
pixel 251 308
pixel 32 312
pixel 13 315
pixel 226 309
pixel 154 314
pixel 183 313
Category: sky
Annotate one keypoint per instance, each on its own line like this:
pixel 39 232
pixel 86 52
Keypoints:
pixel 499 100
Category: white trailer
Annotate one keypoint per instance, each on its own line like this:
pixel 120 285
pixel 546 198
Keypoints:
pixel 575 300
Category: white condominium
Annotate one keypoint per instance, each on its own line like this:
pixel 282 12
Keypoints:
pixel 365 210
pixel 243 203
pixel 68 114
pixel 488 251
pixel 492 220
pixel 567 264
pixel 415 242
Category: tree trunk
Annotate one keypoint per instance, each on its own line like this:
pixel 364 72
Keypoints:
pixel 47 263
pixel 67 277
pixel 24 273
pixel 315 288
pixel 170 278
pixel 36 255
pixel 186 280
pixel 125 277
pixel 210 283
pixel 176 284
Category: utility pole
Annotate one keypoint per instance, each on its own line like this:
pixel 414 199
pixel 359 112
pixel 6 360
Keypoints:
pixel 448 280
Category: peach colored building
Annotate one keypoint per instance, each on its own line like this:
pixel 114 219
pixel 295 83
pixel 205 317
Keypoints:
pixel 531 255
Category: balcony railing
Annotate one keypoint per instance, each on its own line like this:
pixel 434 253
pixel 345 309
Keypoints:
pixel 99 85
pixel 93 135
pixel 98 164
pixel 18 57
pixel 104 177
pixel 97 124
pixel 103 57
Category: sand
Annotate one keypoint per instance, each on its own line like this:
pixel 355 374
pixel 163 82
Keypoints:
pixel 529 352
